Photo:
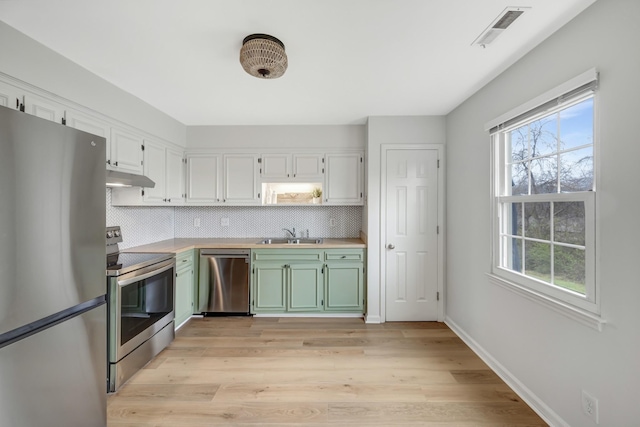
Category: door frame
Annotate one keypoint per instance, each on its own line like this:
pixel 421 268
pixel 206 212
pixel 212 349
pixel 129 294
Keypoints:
pixel 384 148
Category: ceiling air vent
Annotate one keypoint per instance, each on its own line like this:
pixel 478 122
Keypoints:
pixel 501 23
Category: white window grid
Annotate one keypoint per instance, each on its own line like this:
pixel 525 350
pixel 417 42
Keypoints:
pixel 503 238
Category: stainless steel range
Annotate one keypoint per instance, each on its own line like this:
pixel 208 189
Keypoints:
pixel 140 293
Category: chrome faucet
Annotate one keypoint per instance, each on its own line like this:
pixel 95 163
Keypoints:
pixel 292 233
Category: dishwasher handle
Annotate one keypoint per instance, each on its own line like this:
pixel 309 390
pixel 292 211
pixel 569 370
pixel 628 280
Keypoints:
pixel 227 253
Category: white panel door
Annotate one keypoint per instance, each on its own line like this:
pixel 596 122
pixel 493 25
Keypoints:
pixel 308 166
pixel 203 178
pixel 126 151
pixel 85 123
pixel 241 179
pixel 10 96
pixel 343 179
pixel 43 108
pixel 411 235
pixel 175 177
pixel 275 166
pixel 155 170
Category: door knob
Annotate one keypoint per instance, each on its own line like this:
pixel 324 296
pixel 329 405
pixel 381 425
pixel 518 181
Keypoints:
pixel 391 246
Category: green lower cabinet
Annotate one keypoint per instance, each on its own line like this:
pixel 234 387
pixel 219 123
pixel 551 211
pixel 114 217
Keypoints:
pixel 184 287
pixel 269 288
pixel 306 286
pixel 344 287
pixel 307 281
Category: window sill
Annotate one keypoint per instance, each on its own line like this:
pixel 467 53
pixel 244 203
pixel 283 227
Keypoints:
pixel 589 319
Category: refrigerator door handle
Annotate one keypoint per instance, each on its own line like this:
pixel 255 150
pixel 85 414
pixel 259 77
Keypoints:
pixel 40 325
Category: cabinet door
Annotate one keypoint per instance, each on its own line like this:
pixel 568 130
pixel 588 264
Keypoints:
pixel 174 177
pixel 269 287
pixel 184 295
pixel 275 166
pixel 308 166
pixel 92 125
pixel 126 151
pixel 203 178
pixel 155 169
pixel 344 287
pixel 343 179
pixel 43 108
pixel 241 179
pixel 10 96
pixel 305 290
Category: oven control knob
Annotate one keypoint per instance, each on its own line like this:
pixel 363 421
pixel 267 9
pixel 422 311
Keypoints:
pixel 109 234
pixel 116 233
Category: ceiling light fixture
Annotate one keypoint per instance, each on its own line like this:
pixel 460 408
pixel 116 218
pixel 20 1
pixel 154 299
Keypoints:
pixel 263 56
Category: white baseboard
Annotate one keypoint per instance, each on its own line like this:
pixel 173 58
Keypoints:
pixel 372 319
pixel 335 315
pixel 545 412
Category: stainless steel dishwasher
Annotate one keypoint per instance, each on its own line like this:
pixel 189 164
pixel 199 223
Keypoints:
pixel 224 281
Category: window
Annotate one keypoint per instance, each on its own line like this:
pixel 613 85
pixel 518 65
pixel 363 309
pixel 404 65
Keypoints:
pixel 544 198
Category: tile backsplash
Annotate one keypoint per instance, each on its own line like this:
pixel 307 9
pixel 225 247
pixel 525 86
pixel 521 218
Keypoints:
pixel 142 225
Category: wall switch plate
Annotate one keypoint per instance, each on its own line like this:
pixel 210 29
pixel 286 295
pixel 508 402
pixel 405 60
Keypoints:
pixel 196 222
pixel 590 406
pixel 224 222
pixel 332 222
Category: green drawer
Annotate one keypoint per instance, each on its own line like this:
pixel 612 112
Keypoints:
pixel 344 255
pixel 287 255
pixel 184 259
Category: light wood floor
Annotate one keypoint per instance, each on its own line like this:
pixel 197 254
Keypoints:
pixel 235 371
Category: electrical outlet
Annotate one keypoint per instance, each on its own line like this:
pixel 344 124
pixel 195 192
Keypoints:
pixel 590 406
pixel 224 222
pixel 196 222
pixel 332 222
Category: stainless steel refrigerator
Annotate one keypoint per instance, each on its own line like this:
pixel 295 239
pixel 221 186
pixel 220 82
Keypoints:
pixel 53 317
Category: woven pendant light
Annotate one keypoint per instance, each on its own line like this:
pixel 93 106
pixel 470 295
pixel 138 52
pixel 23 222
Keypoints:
pixel 263 56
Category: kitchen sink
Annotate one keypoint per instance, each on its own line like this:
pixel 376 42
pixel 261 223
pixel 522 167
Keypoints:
pixel 299 241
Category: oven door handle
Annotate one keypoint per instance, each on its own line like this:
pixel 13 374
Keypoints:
pixel 143 276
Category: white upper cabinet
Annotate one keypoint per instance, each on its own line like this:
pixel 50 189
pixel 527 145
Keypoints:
pixel 43 108
pixel 308 166
pixel 126 151
pixel 241 179
pixel 275 167
pixel 19 99
pixel 175 176
pixel 92 125
pixel 204 179
pixel 155 169
pixel 344 179
pixel 164 166
pixel 10 96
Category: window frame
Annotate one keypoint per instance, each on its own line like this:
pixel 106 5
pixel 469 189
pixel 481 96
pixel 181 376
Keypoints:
pixel 587 306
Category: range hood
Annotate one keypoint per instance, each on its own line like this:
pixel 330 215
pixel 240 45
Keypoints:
pixel 124 179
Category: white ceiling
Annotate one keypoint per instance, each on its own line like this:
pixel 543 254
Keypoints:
pixel 348 59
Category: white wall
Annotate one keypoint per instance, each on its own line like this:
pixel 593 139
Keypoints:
pixel 29 61
pixel 388 130
pixel 551 356
pixel 321 137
